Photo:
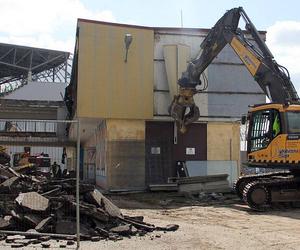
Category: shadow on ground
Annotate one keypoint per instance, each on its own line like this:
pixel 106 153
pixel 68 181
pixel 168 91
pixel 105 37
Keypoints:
pixel 174 200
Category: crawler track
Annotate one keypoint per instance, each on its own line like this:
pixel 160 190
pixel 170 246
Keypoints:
pixel 261 192
pixel 240 184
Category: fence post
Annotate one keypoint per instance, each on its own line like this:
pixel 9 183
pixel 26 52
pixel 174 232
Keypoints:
pixel 77 185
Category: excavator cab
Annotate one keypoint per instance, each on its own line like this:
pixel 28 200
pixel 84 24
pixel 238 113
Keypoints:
pixel 274 136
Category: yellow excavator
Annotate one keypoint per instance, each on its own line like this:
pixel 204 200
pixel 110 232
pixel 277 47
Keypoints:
pixel 273 137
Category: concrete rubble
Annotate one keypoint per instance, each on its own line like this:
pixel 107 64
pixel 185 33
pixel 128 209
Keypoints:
pixel 35 209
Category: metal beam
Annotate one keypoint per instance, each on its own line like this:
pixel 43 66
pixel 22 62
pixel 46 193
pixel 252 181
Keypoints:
pixel 39 143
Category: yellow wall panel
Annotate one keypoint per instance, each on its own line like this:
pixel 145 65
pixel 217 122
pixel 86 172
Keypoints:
pixel 107 86
pixel 223 141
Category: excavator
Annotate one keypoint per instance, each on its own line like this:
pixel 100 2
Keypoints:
pixel 273 129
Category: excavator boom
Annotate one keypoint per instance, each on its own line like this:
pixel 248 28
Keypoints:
pixel 273 79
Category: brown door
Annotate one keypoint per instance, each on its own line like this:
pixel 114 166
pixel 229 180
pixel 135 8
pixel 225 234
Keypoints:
pixel 162 154
pixel 192 145
pixel 159 150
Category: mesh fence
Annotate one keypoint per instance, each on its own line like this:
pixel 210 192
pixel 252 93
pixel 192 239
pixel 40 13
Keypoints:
pixel 39 184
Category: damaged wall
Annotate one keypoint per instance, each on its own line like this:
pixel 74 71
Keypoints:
pixel 126 154
pixel 120 154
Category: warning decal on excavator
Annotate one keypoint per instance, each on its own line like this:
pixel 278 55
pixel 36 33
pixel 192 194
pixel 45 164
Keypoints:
pixel 250 60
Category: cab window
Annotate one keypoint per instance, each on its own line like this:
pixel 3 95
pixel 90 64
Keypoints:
pixel 293 122
pixel 265 126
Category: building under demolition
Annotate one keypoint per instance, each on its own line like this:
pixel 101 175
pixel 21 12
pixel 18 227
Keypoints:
pixel 123 81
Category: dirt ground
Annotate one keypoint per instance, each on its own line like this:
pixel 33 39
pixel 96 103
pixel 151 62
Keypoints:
pixel 226 224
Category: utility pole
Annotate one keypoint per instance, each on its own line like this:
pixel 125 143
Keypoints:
pixel 181 18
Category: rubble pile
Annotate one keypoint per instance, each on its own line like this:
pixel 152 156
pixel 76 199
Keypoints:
pixel 43 208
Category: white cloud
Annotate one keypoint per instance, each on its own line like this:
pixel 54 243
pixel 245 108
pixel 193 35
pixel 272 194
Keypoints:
pixel 283 39
pixel 41 41
pixel 47 24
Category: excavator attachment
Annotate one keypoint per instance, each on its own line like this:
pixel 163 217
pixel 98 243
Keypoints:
pixel 183 109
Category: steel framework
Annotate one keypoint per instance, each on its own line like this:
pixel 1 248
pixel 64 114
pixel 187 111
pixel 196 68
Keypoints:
pixel 20 64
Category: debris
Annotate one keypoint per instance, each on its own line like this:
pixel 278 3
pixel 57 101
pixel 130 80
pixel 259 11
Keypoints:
pixel 32 219
pixel 25 242
pixel 140 225
pixel 100 200
pixel 2 237
pixel 95 238
pixel 122 230
pixel 165 202
pixel 65 227
pixel 171 227
pixel 33 201
pixel 70 242
pixel 6 185
pixel 15 237
pixel 207 197
pixel 36 209
pixel 43 224
pixel 4 224
pixel 45 238
pixel 45 245
pixel 17 245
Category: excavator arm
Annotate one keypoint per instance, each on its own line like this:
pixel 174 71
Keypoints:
pixel 273 79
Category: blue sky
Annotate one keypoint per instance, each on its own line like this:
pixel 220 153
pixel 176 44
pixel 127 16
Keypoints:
pixel 52 23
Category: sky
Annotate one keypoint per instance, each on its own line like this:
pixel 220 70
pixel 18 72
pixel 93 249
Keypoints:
pixel 51 24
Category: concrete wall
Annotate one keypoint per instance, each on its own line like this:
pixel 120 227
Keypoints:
pixel 107 86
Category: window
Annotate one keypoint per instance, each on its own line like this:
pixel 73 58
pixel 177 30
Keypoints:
pixel 264 127
pixel 293 121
